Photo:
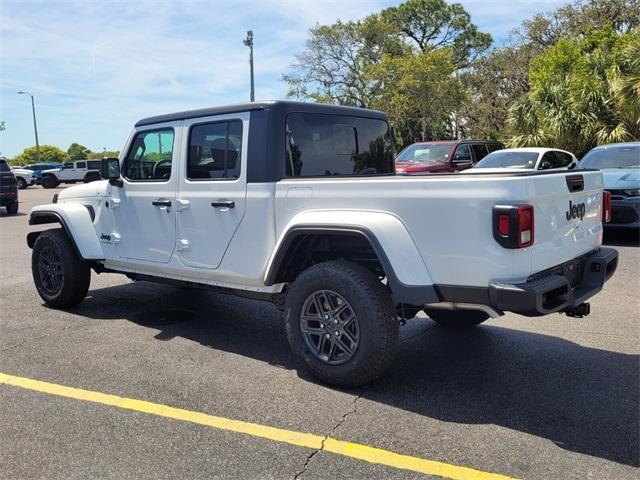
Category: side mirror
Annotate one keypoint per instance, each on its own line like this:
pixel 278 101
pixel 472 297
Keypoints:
pixel 545 165
pixel 110 170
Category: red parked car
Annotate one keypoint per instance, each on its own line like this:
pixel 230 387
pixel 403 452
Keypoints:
pixel 443 156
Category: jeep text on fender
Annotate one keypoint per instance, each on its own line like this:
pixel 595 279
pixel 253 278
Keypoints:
pixel 299 204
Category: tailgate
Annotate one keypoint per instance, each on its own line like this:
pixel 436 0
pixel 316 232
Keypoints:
pixel 568 216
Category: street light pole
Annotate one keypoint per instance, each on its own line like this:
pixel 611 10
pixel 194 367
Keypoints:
pixel 35 126
pixel 249 43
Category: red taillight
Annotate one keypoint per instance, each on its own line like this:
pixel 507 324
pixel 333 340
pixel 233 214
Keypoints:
pixel 513 225
pixel 525 226
pixel 606 206
pixel 503 224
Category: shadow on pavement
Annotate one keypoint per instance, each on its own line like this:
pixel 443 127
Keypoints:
pixel 583 399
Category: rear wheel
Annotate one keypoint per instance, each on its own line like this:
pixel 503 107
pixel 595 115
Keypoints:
pixel 456 319
pixel 61 277
pixel 341 323
pixel 49 181
pixel 22 184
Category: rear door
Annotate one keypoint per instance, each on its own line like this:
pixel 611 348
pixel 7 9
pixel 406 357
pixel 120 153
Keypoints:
pixel 212 187
pixel 568 216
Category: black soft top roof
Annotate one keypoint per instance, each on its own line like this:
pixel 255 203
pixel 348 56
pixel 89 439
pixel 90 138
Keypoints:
pixel 283 105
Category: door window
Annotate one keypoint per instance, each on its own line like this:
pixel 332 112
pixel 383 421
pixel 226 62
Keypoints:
pixel 150 156
pixel 81 164
pixel 215 150
pixel 68 165
pixel 462 155
pixel 479 151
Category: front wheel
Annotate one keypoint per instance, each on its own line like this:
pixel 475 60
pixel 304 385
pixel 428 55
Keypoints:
pixel 22 184
pixel 456 319
pixel 50 181
pixel 91 177
pixel 61 277
pixel 341 323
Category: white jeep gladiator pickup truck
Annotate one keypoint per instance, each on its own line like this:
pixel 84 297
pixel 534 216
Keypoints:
pixel 299 204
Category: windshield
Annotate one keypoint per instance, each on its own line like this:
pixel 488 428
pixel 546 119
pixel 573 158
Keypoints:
pixel 425 153
pixel 612 157
pixel 504 159
pixel 4 167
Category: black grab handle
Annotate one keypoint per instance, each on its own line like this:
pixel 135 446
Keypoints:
pixel 223 204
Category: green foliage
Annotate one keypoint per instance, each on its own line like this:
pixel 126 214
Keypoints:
pixel 422 87
pixel 107 153
pixel 77 152
pixel 48 153
pixel 582 92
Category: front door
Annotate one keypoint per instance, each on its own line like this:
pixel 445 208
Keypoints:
pixel 212 190
pixel 144 213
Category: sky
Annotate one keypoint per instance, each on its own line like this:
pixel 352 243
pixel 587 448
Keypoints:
pixel 96 67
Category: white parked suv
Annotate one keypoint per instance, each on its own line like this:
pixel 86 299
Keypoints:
pixel 299 204
pixel 24 177
pixel 528 158
pixel 71 172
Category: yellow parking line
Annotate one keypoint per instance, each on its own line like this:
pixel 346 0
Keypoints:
pixel 300 439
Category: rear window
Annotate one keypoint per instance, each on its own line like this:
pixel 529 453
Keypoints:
pixel 4 167
pixel 337 145
pixel 94 165
pixel 627 156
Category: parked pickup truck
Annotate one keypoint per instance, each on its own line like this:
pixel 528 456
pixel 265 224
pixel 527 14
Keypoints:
pixel 299 204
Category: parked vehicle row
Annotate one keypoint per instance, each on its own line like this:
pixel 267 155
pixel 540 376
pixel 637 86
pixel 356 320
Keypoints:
pixel 300 204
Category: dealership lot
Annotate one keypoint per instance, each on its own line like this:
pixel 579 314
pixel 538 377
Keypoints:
pixel 552 397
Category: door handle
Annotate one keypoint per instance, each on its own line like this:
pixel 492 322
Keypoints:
pixel 223 204
pixel 161 203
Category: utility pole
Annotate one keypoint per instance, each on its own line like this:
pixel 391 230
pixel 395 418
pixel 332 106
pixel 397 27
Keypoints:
pixel 249 43
pixel 35 126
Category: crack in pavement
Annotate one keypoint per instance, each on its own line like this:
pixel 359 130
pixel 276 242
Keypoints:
pixel 338 424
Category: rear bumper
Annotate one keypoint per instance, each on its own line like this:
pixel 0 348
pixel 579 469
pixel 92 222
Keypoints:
pixel 625 213
pixel 557 289
pixel 7 198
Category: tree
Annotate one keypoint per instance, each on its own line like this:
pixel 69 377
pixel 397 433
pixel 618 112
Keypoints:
pixel 582 93
pixel 2 127
pixel 77 152
pixel 335 64
pixel 106 153
pixel 419 90
pixel 48 153
pixel 434 24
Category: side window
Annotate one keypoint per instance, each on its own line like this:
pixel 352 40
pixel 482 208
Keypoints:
pixel 479 151
pixel 332 145
pixel 463 154
pixel 562 160
pixel 81 164
pixel 215 150
pixel 68 165
pixel 494 146
pixel 93 165
pixel 149 156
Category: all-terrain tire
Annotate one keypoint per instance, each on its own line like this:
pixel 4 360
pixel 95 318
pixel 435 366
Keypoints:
pixel 370 302
pixel 60 276
pixel 22 184
pixel 456 319
pixel 91 177
pixel 49 181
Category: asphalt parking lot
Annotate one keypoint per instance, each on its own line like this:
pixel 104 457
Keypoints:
pixel 545 398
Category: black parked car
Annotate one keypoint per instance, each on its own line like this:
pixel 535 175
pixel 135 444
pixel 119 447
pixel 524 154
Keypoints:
pixel 8 188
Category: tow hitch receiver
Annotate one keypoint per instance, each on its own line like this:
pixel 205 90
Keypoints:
pixel 579 311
